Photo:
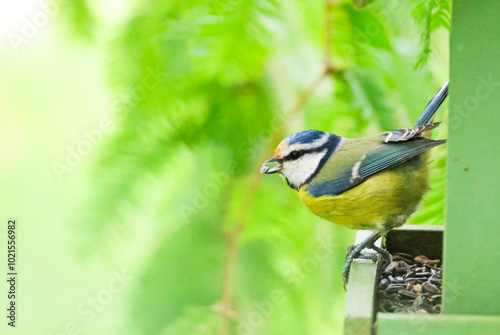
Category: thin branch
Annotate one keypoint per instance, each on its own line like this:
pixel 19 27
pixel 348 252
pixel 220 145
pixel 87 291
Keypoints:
pixel 224 308
pixel 327 34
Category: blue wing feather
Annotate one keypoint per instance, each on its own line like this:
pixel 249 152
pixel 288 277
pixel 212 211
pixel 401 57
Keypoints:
pixel 384 157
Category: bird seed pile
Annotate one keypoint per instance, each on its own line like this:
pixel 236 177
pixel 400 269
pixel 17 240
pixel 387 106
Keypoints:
pixel 410 285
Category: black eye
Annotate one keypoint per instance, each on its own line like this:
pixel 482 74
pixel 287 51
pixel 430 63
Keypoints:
pixel 294 154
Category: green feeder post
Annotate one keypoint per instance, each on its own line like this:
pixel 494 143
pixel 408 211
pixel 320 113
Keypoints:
pixel 472 235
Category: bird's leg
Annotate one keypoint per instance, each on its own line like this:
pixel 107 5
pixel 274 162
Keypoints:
pixel 354 251
pixel 383 254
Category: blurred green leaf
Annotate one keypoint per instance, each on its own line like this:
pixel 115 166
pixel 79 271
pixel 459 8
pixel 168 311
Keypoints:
pixel 195 321
pixel 79 18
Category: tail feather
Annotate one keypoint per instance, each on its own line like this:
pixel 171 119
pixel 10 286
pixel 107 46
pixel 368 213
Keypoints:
pixel 433 105
pixel 400 135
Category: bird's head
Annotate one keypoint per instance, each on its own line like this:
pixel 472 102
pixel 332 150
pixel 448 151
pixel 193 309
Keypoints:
pixel 299 157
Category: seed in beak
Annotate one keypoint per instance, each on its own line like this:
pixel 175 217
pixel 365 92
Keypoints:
pixel 267 169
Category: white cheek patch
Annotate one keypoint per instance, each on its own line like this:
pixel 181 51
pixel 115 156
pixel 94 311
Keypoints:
pixel 299 170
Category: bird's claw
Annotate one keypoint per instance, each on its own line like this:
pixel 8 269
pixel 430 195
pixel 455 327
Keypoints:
pixel 345 272
pixel 383 257
pixel 349 257
pixel 350 251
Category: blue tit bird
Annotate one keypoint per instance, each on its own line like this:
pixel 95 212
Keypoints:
pixel 370 183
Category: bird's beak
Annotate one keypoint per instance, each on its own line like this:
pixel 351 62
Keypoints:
pixel 268 170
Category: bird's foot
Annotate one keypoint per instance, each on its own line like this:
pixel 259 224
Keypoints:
pixel 382 256
pixel 350 256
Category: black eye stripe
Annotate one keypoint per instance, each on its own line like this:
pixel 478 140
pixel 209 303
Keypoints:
pixel 293 155
pixel 296 154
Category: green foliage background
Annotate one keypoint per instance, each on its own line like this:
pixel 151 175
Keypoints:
pixel 195 90
pixel 224 74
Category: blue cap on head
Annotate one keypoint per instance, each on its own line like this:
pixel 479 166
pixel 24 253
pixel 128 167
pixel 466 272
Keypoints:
pixel 306 136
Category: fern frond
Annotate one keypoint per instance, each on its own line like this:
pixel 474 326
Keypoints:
pixel 430 15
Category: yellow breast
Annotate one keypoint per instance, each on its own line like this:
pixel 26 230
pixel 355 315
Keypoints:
pixel 382 202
